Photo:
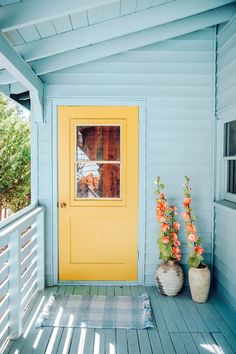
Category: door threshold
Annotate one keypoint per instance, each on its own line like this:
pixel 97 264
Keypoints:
pixel 99 283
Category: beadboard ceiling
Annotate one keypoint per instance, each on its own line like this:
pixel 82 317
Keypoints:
pixel 52 35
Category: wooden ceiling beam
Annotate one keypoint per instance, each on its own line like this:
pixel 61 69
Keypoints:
pixel 133 41
pixel 21 71
pixel 115 28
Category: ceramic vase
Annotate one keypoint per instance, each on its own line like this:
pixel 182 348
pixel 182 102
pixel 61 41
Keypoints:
pixel 199 282
pixel 170 278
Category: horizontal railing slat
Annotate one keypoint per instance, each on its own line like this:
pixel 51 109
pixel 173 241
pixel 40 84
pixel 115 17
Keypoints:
pixel 26 225
pixel 4 304
pixel 4 257
pixel 28 272
pixel 4 337
pixel 27 287
pixel 27 261
pixel 29 304
pixel 4 241
pixel 29 292
pixel 4 321
pixel 28 235
pixel 4 288
pixel 28 249
pixel 4 272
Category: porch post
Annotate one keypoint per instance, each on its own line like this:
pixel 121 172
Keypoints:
pixel 40 251
pixel 15 319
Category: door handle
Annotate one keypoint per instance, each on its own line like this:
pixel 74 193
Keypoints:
pixel 63 205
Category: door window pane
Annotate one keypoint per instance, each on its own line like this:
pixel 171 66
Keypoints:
pixel 98 180
pixel 98 143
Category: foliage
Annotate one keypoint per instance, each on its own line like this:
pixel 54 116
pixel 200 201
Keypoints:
pixel 168 242
pixel 14 158
pixel 195 257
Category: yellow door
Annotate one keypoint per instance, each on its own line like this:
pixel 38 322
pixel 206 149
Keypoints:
pixel 98 192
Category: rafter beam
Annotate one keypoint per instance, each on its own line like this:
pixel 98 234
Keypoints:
pixel 6 78
pixel 134 40
pixel 5 89
pixel 115 28
pixel 18 68
pixel 34 11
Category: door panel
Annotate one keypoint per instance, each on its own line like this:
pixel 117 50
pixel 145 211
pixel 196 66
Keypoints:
pixel 98 184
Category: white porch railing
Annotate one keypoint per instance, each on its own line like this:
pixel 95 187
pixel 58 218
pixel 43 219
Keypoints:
pixel 21 270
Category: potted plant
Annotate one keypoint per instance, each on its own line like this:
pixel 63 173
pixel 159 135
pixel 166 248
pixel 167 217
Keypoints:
pixel 199 274
pixel 169 275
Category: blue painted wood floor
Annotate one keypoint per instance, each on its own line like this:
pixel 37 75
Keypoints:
pixel 181 326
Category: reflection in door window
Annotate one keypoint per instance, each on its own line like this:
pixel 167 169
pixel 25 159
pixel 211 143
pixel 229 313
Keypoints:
pixel 97 162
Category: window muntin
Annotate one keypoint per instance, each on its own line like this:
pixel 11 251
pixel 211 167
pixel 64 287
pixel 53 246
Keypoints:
pixel 98 163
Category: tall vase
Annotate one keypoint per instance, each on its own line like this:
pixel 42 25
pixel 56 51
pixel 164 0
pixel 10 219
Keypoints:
pixel 170 278
pixel 199 282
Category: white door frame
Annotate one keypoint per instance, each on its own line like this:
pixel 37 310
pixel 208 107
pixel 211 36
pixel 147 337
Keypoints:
pixel 54 102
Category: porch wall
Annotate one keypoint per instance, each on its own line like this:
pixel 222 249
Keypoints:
pixel 175 78
pixel 225 216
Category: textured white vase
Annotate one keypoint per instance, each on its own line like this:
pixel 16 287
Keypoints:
pixel 199 282
pixel 170 278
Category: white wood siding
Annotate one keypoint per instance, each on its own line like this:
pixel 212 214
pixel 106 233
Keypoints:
pixel 175 78
pixel 225 241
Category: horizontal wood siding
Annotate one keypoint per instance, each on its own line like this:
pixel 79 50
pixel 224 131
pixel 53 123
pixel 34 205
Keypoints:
pixel 225 240
pixel 226 67
pixel 175 78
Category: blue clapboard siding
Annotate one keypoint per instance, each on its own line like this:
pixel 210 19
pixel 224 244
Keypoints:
pixel 225 240
pixel 175 78
pixel 226 67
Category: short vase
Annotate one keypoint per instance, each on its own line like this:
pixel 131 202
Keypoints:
pixel 169 278
pixel 199 282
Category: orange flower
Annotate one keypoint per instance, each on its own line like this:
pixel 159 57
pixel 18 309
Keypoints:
pixel 173 235
pixel 165 240
pixel 192 238
pixel 176 225
pixel 162 205
pixel 177 252
pixel 187 201
pixel 178 257
pixel 199 250
pixel 165 227
pixel 176 242
pixel 191 229
pixel 186 216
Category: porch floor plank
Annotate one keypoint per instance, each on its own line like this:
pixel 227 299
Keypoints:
pixel 122 345
pixel 181 326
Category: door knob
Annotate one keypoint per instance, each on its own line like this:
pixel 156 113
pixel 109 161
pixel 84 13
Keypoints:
pixel 63 205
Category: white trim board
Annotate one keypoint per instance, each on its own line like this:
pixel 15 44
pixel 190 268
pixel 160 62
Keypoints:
pixel 52 113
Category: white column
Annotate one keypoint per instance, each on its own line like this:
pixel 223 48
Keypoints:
pixel 40 251
pixel 15 319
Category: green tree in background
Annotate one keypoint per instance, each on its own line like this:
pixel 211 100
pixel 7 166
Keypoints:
pixel 14 158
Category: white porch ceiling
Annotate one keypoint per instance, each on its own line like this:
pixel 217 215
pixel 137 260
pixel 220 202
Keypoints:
pixel 51 35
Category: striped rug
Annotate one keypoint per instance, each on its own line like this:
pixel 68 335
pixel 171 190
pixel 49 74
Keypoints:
pixel 128 312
